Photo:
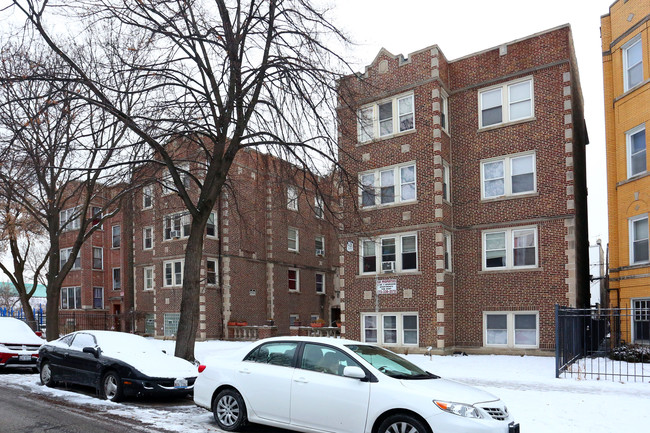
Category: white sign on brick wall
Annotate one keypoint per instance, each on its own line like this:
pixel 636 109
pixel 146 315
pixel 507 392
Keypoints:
pixel 387 287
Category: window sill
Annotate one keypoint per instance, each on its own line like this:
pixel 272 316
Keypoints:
pixel 388 205
pixel 509 270
pixel 631 90
pixel 506 124
pixel 294 251
pixel 386 137
pixel 388 275
pixel 633 178
pixel 294 291
pixel 510 197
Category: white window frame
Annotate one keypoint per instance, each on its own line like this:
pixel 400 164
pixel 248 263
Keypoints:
pixel 371 111
pixel 92 265
pixel 289 239
pixel 510 327
pixel 113 236
pixel 213 217
pixel 398 253
pixel 292 198
pixel 67 290
pixel 70 219
pixel 297 289
pixel 176 282
pixel 116 287
pixel 507 175
pixel 102 298
pixel 397 185
pixel 293 318
pixel 447 251
pixel 184 222
pixel 97 211
pixel 631 233
pixel 322 289
pixel 633 316
pixel 322 241
pixel 400 328
pixel 626 66
pixel 148 281
pixel 444 111
pixel 147 192
pixel 509 247
pixel 76 265
pixel 628 145
pixel 446 187
pixel 168 185
pixel 216 271
pixel 505 102
pixel 319 207
pixel 144 237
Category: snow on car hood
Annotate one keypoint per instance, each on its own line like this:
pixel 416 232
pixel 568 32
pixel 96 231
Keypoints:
pixel 157 364
pixel 448 390
pixel 14 331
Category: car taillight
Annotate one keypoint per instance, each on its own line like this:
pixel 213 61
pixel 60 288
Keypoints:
pixel 201 368
pixel 39 333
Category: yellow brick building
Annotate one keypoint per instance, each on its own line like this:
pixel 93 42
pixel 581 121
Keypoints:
pixel 626 71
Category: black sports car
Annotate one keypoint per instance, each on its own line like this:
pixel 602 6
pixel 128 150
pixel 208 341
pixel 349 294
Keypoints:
pixel 116 364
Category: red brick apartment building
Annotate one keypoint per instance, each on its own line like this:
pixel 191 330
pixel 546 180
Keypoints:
pixel 269 253
pixel 472 197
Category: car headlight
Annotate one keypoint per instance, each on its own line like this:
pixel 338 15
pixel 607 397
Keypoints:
pixel 466 410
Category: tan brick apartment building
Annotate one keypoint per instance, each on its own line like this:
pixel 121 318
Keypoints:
pixel 472 197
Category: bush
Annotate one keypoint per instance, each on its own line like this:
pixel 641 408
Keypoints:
pixel 631 353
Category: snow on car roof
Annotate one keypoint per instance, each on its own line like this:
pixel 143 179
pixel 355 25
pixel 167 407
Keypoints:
pixel 15 331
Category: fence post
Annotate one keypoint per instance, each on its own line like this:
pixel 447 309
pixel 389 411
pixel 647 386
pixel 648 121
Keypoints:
pixel 557 341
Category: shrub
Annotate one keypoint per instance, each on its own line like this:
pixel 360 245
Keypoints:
pixel 631 353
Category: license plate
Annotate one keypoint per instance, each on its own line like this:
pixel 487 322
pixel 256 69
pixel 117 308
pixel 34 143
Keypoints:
pixel 24 357
pixel 180 383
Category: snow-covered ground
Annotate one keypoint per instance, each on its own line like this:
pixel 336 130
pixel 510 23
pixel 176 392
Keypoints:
pixel 527 384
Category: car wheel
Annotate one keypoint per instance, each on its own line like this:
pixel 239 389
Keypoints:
pixel 112 387
pixel 402 424
pixel 47 378
pixel 229 410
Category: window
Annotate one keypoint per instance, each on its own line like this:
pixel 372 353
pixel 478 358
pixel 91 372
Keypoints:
pixel 69 219
pixel 394 329
pixel 147 197
pixel 292 198
pixel 176 226
pixel 636 151
pixel 508 176
pixel 168 185
pixel 148 278
pixel 70 298
pixel 147 238
pixel 171 324
pixel 211 226
pixel 98 298
pixel 633 63
pixel 173 273
pixel 639 249
pixel 293 240
pixel 117 278
pixel 446 244
pixel 96 212
pixel 511 329
pixel 319 244
pixel 82 340
pixel 444 112
pixel 211 272
pixel 276 353
pixel 293 277
pixel 641 319
pixel 398 254
pixel 116 234
pixel 325 359
pixel 293 318
pixel 506 103
pixel 445 182
pixel 386 118
pixel 64 255
pixel 388 185
pixel 320 282
pixel 98 258
pixel 510 248
pixel 319 207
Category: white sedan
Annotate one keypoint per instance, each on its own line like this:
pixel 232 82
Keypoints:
pixel 18 344
pixel 340 386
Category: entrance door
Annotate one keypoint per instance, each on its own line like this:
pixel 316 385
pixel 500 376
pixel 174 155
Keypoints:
pixel 116 318
pixel 641 320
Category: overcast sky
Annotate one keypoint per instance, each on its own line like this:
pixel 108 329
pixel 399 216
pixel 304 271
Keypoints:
pixel 463 27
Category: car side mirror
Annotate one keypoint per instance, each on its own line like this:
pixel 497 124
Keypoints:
pixel 94 350
pixel 354 372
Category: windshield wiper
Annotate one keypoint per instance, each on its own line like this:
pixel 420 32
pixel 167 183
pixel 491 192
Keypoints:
pixel 415 376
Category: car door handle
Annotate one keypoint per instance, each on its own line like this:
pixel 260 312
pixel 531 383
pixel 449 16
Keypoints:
pixel 301 380
pixel 245 371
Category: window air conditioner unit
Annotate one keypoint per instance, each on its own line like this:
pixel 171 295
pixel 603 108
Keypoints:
pixel 388 267
pixel 174 234
pixel 320 252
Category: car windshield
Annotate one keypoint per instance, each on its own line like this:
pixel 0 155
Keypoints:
pixel 389 363
pixel 121 342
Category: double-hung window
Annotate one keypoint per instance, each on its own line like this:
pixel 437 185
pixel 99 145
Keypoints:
pixel 396 329
pixel 176 226
pixel 639 248
pixel 147 238
pixel 69 219
pixel 116 236
pixel 445 182
pixel 292 198
pixel 506 102
pixel 173 273
pixel 389 254
pixel 292 239
pixel 319 244
pixel 389 185
pixel 117 278
pixel 636 151
pixel 148 278
pixel 211 226
pixel 98 258
pixel 518 329
pixel 444 112
pixel 319 207
pixel 386 118
pixel 147 197
pixel 64 255
pixel 211 272
pixel 633 63
pixel 293 280
pixel 97 214
pixel 70 298
pixel 183 170
pixel 446 245
pixel 510 248
pixel 98 298
pixel 320 282
pixel 508 176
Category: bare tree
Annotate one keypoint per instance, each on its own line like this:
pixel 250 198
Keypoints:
pixel 227 74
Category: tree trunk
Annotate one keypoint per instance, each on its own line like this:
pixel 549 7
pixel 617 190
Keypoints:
pixel 27 308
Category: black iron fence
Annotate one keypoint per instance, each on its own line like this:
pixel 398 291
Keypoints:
pixel 608 344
